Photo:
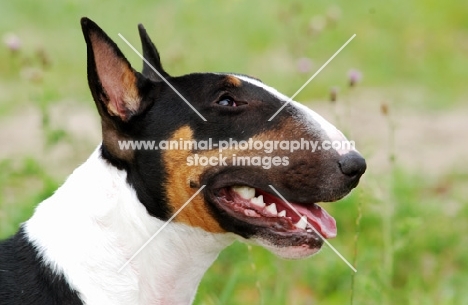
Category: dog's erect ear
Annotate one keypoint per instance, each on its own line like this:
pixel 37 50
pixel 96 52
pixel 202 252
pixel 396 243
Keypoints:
pixel 150 53
pixel 114 84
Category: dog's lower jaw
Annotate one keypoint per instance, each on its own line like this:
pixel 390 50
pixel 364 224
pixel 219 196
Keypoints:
pixel 94 223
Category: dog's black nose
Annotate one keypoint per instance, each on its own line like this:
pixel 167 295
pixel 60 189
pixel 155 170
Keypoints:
pixel 352 164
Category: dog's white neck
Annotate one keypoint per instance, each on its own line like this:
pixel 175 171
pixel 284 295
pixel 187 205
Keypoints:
pixel 94 223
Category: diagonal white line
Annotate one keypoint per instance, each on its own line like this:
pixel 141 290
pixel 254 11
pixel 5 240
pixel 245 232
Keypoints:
pixel 165 80
pixel 312 77
pixel 320 235
pixel 160 229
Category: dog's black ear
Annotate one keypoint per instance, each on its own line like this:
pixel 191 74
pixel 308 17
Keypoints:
pixel 151 54
pixel 114 84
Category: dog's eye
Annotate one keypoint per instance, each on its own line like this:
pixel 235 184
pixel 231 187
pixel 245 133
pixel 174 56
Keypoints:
pixel 227 101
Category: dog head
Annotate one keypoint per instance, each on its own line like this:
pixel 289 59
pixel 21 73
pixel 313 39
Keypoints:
pixel 227 141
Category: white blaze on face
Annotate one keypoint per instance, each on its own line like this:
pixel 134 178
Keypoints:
pixel 337 140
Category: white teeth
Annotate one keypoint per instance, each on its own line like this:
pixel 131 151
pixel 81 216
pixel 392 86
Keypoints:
pixel 272 209
pixel 244 191
pixel 258 201
pixel 302 223
pixel 282 213
pixel 251 213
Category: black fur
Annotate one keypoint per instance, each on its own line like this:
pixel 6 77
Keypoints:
pixel 25 280
pixel 151 54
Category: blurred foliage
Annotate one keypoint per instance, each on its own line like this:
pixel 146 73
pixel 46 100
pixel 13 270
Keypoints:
pixel 416 50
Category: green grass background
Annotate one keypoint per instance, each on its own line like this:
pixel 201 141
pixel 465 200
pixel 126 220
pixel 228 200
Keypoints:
pixel 399 228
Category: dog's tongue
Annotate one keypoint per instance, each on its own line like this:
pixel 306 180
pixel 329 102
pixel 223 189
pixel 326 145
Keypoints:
pixel 320 219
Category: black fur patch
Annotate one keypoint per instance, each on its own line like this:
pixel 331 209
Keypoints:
pixel 26 280
pixel 146 172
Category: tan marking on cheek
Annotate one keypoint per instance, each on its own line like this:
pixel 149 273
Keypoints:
pixel 233 81
pixel 179 175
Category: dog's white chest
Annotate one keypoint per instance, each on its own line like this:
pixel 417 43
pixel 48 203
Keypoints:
pixel 94 223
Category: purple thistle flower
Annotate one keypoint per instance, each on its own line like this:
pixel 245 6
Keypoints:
pixel 354 77
pixel 12 42
pixel 304 64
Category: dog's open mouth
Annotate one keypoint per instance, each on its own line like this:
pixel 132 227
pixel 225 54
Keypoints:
pixel 258 208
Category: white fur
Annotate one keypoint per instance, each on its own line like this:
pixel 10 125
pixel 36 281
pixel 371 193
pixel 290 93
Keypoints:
pixel 312 118
pixel 94 223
